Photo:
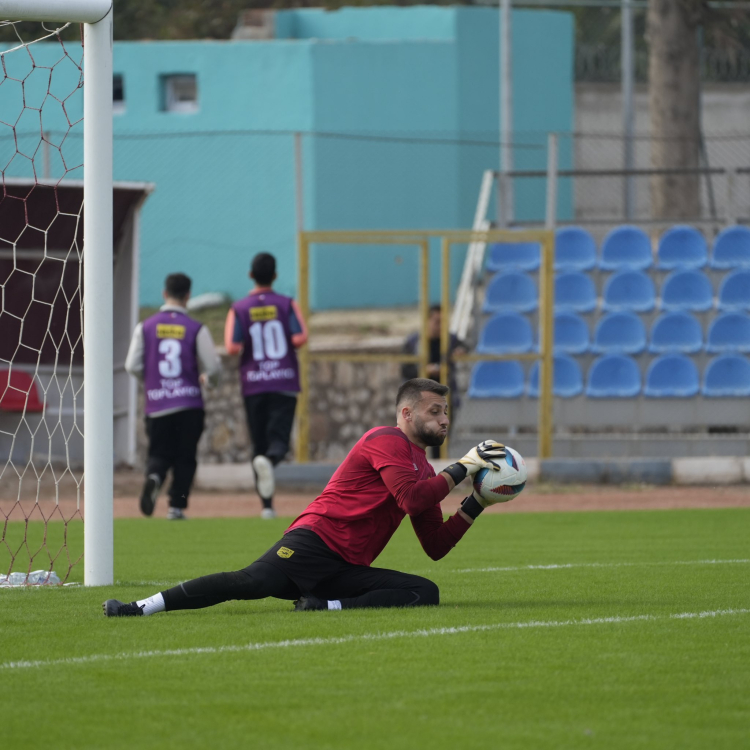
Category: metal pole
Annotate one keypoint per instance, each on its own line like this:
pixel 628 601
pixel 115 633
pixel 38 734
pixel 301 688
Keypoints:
pixel 98 286
pixel 299 185
pixel 546 326
pixel 506 209
pixel 424 306
pixel 627 57
pixel 552 166
pixel 303 404
pixel 445 251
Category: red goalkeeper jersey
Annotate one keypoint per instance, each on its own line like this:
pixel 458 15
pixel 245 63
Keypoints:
pixel 384 478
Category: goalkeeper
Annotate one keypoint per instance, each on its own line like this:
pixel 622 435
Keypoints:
pixel 323 560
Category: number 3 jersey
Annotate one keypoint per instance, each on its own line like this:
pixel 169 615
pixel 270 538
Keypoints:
pixel 268 361
pixel 170 362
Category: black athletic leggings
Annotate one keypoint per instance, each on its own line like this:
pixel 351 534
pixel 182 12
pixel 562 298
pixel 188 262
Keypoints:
pixel 355 587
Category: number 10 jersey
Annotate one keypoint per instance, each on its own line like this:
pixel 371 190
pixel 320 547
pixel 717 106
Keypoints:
pixel 268 361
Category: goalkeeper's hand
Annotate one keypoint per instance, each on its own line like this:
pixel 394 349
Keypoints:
pixel 484 456
pixel 474 504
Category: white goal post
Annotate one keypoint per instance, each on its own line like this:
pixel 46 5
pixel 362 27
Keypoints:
pixel 96 16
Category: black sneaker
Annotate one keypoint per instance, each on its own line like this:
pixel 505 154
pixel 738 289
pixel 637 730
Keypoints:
pixel 309 602
pixel 149 494
pixel 116 608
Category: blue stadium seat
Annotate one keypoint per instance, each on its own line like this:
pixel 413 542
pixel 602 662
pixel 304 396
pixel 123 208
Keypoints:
pixel 518 256
pixel 676 332
pixel 729 332
pixel 571 334
pixel 727 376
pixel 614 376
pixel 575 250
pixel 620 333
pixel 574 292
pixel 629 290
pixel 672 376
pixel 682 247
pixel 687 290
pixel 506 333
pixel 734 292
pixel 731 249
pixel 626 248
pixel 496 380
pixel 511 291
pixel 567 379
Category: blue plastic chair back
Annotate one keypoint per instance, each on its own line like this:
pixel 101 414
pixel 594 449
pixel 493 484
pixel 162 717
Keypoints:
pixel 682 247
pixel 676 332
pixel 727 376
pixel 519 256
pixel 506 333
pixel 571 334
pixel 567 379
pixel 687 290
pixel 574 292
pixel 496 380
pixel 734 292
pixel 620 333
pixel 629 290
pixel 731 249
pixel 729 332
pixel 626 248
pixel 512 290
pixel 672 376
pixel 575 250
pixel 614 376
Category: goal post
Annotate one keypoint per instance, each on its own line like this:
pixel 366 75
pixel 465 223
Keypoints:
pixel 96 17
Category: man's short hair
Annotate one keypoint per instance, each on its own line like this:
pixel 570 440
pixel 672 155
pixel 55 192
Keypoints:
pixel 177 285
pixel 436 309
pixel 263 268
pixel 411 391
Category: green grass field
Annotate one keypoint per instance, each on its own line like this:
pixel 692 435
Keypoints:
pixel 642 641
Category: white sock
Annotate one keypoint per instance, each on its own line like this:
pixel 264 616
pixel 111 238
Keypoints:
pixel 152 605
pixel 334 604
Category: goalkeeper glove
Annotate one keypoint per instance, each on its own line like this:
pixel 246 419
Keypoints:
pixel 474 504
pixel 483 456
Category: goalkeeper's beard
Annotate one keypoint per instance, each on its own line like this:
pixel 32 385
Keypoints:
pixel 427 436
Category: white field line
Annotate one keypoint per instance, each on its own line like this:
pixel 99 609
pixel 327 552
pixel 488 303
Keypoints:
pixel 366 637
pixel 562 566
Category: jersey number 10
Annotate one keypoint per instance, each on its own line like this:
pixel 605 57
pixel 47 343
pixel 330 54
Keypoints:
pixel 269 341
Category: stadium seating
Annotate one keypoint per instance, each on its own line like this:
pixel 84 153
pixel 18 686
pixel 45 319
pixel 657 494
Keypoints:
pixel 676 332
pixel 626 248
pixel 629 290
pixel 506 333
pixel 620 333
pixel 511 291
pixel 18 392
pixel 614 376
pixel 729 333
pixel 571 334
pixel 496 380
pixel 519 256
pixel 682 247
pixel 734 292
pixel 574 292
pixel 687 290
pixel 726 376
pixel 672 376
pixel 731 249
pixel 567 379
pixel 575 250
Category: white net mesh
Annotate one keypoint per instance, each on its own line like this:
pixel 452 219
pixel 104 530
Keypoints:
pixel 41 346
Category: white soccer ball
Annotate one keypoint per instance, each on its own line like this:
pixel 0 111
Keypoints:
pixel 505 484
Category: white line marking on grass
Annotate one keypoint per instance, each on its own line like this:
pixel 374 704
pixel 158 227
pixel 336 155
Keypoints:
pixel 334 641
pixel 561 566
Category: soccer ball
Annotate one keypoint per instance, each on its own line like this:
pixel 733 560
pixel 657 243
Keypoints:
pixel 501 486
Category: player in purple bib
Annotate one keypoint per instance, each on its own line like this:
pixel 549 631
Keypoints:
pixel 265 329
pixel 169 351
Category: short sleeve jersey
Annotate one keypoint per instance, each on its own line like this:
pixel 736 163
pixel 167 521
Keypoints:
pixel 356 514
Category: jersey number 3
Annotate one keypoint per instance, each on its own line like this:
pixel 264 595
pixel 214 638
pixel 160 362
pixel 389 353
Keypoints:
pixel 170 363
pixel 269 341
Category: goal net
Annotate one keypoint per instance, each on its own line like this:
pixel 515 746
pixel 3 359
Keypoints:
pixel 42 448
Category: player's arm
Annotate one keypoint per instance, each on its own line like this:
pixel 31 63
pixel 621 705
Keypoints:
pixel 232 333
pixel 134 360
pixel 297 326
pixel 439 537
pixel 208 360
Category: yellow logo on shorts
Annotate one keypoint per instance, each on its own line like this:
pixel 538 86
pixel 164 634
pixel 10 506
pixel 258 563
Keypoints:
pixel 285 552
pixel 269 312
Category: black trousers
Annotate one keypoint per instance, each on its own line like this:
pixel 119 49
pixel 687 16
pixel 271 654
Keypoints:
pixel 173 444
pixel 317 571
pixel 270 417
